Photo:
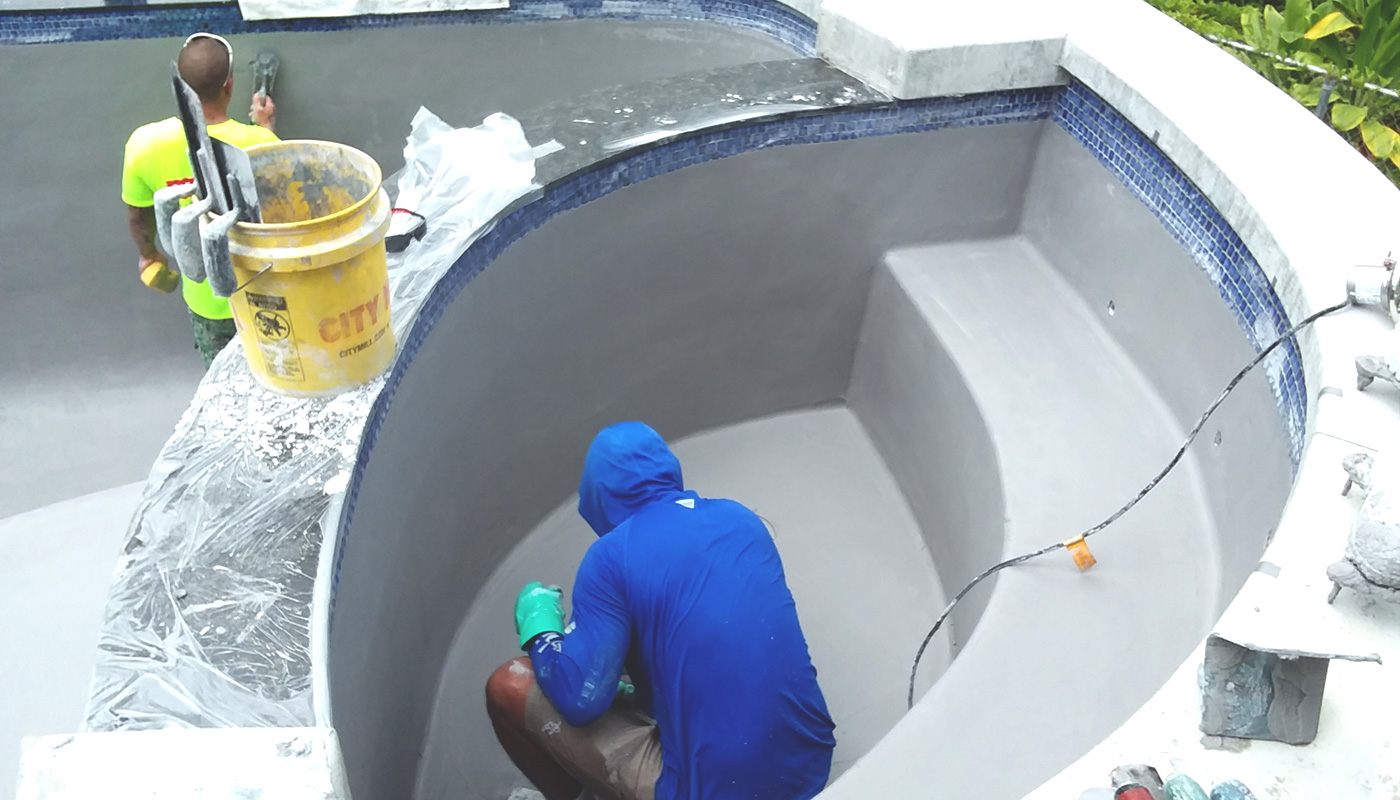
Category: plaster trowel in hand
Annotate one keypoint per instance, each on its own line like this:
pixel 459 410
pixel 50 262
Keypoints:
pixel 265 67
pixel 224 186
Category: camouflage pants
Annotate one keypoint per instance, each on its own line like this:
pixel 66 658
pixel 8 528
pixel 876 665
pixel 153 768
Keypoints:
pixel 210 336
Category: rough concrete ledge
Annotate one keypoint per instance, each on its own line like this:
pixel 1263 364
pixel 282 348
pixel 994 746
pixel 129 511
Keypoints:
pixel 911 49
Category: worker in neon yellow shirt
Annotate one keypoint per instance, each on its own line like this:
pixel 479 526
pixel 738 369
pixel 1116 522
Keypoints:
pixel 157 156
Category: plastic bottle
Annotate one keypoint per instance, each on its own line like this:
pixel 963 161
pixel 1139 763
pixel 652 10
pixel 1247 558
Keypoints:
pixel 1182 787
pixel 1231 790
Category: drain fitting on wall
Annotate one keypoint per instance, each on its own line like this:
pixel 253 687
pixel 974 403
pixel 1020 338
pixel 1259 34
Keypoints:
pixel 1375 286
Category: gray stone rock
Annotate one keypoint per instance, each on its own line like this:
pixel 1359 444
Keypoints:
pixel 1254 695
pixel 1371 565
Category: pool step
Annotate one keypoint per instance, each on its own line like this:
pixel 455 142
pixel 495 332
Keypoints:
pixel 1015 362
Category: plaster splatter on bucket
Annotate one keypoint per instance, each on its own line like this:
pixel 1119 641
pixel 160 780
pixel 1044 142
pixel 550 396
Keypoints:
pixel 313 312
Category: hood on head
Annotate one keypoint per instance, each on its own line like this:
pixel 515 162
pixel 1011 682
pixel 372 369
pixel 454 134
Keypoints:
pixel 628 466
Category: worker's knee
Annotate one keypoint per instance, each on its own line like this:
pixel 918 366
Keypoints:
pixel 507 689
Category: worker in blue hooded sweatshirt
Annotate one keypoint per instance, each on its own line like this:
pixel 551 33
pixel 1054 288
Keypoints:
pixel 685 598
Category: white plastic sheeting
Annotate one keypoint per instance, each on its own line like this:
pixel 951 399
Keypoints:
pixel 289 9
pixel 208 619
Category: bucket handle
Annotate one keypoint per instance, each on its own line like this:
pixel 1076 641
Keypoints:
pixel 244 285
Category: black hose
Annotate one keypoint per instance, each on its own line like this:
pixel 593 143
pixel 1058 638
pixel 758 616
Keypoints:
pixel 1112 518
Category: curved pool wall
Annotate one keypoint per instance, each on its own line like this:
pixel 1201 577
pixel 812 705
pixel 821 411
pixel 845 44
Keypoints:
pixel 102 359
pixel 741 287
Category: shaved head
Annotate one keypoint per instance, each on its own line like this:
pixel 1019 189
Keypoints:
pixel 204 64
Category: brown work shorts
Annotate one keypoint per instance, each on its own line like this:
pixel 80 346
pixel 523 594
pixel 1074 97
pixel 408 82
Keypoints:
pixel 617 757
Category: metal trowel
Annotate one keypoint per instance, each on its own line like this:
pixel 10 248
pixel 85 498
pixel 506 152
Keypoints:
pixel 265 67
pixel 221 170
pixel 223 185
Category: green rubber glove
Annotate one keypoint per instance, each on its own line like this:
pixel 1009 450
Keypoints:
pixel 538 609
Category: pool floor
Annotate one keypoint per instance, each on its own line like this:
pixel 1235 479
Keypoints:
pixel 856 562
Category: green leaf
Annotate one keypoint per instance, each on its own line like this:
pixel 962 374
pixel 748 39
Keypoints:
pixel 1383 142
pixel 1295 19
pixel 1372 25
pixel 1387 55
pixel 1336 22
pixel 1346 116
pixel 1305 94
pixel 1395 158
pixel 1353 8
pixel 1273 24
pixel 1253 27
pixel 1311 58
pixel 1334 56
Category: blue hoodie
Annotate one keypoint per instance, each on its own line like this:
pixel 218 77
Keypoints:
pixel 690 594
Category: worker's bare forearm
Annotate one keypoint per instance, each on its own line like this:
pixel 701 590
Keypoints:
pixel 141 223
pixel 263 112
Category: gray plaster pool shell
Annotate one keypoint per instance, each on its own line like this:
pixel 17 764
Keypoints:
pixel 915 336
pixel 898 351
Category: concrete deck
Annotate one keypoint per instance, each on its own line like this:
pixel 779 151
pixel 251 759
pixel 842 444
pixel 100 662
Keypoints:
pixel 55 566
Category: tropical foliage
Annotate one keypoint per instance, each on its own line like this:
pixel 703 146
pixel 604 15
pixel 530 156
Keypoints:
pixel 1336 57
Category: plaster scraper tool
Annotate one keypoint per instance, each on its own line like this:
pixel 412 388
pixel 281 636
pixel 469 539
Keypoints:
pixel 265 67
pixel 224 186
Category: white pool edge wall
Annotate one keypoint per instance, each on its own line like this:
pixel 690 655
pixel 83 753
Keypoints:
pixel 1304 227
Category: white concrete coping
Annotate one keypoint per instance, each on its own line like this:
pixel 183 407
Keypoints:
pixel 1309 207
pixel 211 764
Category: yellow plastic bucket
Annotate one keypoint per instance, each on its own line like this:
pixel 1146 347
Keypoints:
pixel 313 307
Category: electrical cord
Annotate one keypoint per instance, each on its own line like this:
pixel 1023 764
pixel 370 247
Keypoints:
pixel 1112 518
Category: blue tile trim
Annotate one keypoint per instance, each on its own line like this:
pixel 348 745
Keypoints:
pixel 86 25
pixel 1191 219
pixel 1181 207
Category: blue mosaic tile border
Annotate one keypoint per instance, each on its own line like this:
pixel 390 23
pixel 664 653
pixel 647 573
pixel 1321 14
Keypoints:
pixel 87 25
pixel 1191 219
pixel 1122 148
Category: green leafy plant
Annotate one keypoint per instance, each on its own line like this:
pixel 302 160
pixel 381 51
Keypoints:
pixel 1373 58
pixel 1324 55
pixel 1206 17
pixel 1347 56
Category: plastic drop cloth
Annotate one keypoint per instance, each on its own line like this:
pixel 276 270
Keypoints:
pixel 208 620
pixel 286 9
